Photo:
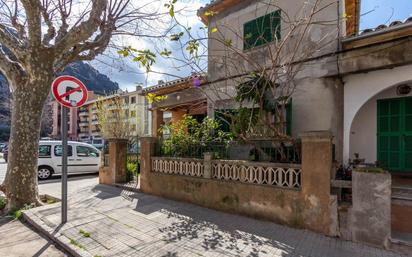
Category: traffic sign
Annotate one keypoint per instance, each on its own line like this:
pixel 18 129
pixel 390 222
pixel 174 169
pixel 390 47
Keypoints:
pixel 69 91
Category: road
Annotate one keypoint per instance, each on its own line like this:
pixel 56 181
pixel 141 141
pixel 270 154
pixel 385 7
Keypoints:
pixel 53 186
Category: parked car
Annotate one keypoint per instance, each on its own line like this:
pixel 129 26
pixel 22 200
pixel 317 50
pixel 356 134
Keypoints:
pixel 5 153
pixel 82 158
pixel 2 146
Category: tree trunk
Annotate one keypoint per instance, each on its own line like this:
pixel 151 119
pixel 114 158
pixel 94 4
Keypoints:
pixel 21 178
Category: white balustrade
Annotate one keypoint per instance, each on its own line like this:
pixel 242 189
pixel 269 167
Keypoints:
pixel 179 166
pixel 260 173
pixel 276 174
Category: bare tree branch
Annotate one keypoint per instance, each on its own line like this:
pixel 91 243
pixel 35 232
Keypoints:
pixel 85 30
pixel 10 40
pixel 11 69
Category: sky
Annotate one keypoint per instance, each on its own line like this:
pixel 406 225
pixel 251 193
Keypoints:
pixel 128 74
pixel 377 12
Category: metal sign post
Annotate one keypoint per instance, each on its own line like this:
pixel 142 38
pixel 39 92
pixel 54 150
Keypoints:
pixel 70 93
pixel 64 163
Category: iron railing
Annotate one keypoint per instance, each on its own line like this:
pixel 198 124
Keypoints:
pixel 260 151
pixel 194 150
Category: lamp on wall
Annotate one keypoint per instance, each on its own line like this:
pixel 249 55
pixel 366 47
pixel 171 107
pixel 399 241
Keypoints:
pixel 403 89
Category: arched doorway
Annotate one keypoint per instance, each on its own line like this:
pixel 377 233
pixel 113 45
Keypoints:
pixel 381 131
pixel 362 95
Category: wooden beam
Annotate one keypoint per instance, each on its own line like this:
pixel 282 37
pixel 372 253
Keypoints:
pixel 217 7
pixel 352 13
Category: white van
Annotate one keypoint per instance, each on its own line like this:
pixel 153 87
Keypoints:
pixel 82 158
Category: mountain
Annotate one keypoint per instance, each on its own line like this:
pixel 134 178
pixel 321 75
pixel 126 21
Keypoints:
pixel 92 78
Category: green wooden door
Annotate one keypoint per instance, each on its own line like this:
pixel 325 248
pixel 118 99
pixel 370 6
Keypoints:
pixel 395 134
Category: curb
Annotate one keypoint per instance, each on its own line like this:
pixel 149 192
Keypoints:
pixel 64 244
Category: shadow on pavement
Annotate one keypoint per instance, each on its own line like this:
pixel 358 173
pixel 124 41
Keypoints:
pixel 23 236
pixel 213 230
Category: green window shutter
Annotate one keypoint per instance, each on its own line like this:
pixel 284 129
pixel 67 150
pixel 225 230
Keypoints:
pixel 262 30
pixel 289 118
pixel 250 34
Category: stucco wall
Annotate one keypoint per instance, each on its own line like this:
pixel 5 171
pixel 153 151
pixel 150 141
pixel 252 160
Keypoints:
pixel 317 100
pixel 370 218
pixel 320 38
pixel 280 205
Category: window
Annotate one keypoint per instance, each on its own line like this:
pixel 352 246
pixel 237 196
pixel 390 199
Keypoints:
pixel 44 151
pixel 98 141
pixel 133 114
pixel 84 151
pixel 262 30
pixel 133 99
pixel 224 117
pixel 58 150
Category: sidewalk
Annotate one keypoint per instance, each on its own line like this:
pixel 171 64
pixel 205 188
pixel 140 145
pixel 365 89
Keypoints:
pixel 106 221
pixel 19 240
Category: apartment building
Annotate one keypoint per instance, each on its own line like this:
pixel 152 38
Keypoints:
pixel 73 117
pixel 84 124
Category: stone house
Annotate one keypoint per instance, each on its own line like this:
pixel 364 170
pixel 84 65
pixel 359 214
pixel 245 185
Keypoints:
pixel 355 84
pixel 351 95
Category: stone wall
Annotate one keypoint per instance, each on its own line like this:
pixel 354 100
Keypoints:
pixel 370 216
pixel 115 172
pixel 311 206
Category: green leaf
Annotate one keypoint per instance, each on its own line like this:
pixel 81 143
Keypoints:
pixel 228 42
pixel 165 53
pixel 172 11
pixel 210 13
pixel 123 52
pixel 176 37
pixel 214 30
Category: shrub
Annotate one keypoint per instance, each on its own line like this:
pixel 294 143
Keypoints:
pixel 3 202
pixel 131 170
pixel 190 138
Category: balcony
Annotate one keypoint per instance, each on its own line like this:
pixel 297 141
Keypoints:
pixel 95 122
pixel 83 123
pixel 83 113
pixel 84 134
pixel 96 133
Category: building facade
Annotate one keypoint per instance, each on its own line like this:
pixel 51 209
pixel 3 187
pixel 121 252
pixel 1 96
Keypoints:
pixel 354 83
pixel 84 123
pixel 179 97
pixel 357 85
pixel 73 117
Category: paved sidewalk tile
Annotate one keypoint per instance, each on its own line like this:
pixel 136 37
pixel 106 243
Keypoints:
pixel 19 240
pixel 107 221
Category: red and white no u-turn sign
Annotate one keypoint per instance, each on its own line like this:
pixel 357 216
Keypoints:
pixel 69 91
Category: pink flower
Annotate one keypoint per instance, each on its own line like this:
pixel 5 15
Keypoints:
pixel 197 82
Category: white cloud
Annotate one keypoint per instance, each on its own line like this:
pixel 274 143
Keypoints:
pixel 127 73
